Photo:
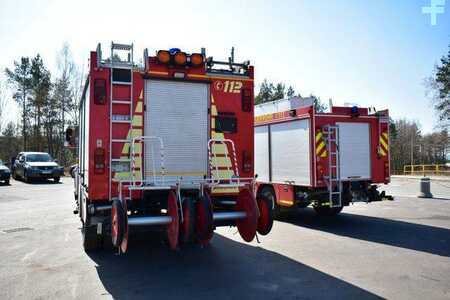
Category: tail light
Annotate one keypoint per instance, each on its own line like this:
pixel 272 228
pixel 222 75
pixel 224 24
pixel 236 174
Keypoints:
pixel 99 91
pixel 386 170
pixel 99 161
pixel 246 100
pixel 246 161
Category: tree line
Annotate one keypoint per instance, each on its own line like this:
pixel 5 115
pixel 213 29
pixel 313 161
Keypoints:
pixel 47 104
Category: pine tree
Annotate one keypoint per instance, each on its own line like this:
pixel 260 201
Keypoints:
pixel 20 79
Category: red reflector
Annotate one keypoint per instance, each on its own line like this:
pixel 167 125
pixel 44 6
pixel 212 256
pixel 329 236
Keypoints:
pixel 99 91
pixel 246 161
pixel 99 161
pixel 246 100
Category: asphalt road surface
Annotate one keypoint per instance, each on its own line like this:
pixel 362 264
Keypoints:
pixel 396 250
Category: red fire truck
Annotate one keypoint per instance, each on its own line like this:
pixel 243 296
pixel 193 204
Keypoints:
pixel 169 145
pixel 327 160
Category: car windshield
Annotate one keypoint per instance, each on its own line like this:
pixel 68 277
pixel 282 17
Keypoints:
pixel 38 157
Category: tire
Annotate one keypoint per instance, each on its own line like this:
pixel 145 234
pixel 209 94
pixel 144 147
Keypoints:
pixel 303 204
pixel 268 193
pixel 7 181
pixel 187 228
pixel 91 241
pixel 265 220
pixel 25 177
pixel 204 224
pixel 326 211
pixel 56 179
pixel 117 223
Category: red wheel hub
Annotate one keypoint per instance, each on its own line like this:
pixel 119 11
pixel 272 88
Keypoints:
pixel 173 226
pixel 247 226
pixel 124 244
pixel 265 220
pixel 204 220
pixel 118 223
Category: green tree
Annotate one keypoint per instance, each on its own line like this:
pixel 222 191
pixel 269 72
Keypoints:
pixel 279 91
pixel 10 143
pixel 40 87
pixel 319 106
pixel 20 79
pixel 440 86
pixel 265 92
pixel 290 92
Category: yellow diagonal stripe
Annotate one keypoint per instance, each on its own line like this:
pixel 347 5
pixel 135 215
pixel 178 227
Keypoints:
pixel 221 162
pixel 385 135
pixel 324 154
pixel 320 147
pixel 318 136
pixel 382 152
pixel 382 142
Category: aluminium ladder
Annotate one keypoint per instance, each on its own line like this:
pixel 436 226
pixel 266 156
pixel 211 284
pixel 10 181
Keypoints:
pixel 334 183
pixel 115 63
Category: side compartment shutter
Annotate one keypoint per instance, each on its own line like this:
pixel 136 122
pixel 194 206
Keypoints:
pixel 291 157
pixel 262 153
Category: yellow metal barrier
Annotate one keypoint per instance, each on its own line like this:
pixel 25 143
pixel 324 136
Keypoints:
pixel 439 170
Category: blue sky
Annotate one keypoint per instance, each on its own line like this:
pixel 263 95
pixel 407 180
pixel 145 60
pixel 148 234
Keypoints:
pixel 373 53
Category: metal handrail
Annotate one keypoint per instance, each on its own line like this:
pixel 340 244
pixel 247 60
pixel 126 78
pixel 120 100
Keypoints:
pixel 434 169
pixel 141 139
pixel 212 155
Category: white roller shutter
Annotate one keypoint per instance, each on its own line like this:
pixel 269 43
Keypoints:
pixel 354 150
pixel 290 143
pixel 177 112
pixel 262 153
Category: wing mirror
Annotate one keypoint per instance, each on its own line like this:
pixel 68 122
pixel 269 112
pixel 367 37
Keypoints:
pixel 71 137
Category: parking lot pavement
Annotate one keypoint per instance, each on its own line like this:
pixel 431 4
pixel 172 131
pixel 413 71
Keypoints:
pixel 397 250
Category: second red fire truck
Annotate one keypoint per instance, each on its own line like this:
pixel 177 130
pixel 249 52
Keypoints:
pixel 168 145
pixel 327 160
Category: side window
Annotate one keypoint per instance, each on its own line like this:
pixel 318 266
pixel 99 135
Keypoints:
pixel 226 123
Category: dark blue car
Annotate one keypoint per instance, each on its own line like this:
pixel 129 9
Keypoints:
pixel 5 173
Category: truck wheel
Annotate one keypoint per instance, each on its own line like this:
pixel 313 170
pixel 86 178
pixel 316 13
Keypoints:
pixel 204 223
pixel 327 211
pixel 187 228
pixel 117 223
pixel 268 193
pixel 265 220
pixel 26 178
pixel 173 228
pixel 56 179
pixel 303 204
pixel 90 238
pixel 247 227
pixel 7 181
